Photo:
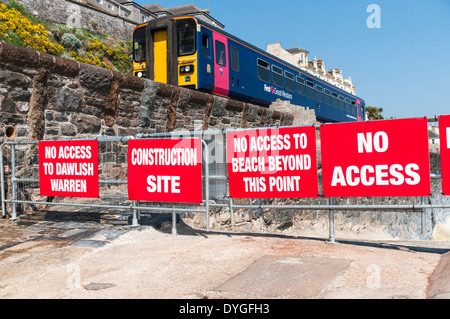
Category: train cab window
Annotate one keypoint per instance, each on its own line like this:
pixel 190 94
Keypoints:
pixel 139 45
pixel 319 93
pixel 327 96
pixel 235 59
pixel 220 54
pixel 300 85
pixel 310 90
pixel 186 36
pixel 263 70
pixel 341 103
pixel 290 84
pixel 277 76
pixel 205 45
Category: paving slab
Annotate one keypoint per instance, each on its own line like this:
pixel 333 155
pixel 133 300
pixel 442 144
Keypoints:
pixel 285 277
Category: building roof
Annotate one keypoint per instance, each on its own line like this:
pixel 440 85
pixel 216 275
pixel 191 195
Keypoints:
pixel 185 9
pixel 154 8
pixel 296 50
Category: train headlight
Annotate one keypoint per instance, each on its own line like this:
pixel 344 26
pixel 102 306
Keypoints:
pixel 186 69
pixel 139 74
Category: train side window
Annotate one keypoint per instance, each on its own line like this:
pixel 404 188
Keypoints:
pixel 319 93
pixel 334 99
pixel 205 45
pixel 263 70
pixel 348 106
pixel 327 96
pixel 220 54
pixel 277 76
pixel 235 59
pixel 341 103
pixel 310 90
pixel 290 84
pixel 354 111
pixel 300 86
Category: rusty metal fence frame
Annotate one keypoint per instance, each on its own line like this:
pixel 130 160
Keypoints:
pixel 136 207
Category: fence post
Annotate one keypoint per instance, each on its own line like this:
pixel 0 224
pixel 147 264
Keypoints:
pixel 174 223
pixel 331 238
pixel 422 216
pixel 206 184
pixel 2 172
pixel 13 182
pixel 231 213
pixel 135 222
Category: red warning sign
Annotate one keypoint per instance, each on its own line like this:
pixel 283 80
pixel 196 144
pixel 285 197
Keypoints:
pixel 272 163
pixel 165 170
pixel 377 158
pixel 69 169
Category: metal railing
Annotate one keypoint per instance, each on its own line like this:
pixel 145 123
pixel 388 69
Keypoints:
pixel 214 176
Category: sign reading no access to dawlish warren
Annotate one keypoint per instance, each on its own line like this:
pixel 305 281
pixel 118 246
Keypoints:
pixel 69 168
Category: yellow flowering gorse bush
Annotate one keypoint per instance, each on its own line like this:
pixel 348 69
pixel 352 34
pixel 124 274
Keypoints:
pixel 17 29
pixel 21 29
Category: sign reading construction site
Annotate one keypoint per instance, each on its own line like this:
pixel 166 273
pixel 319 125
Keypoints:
pixel 444 134
pixel 165 170
pixel 377 158
pixel 69 169
pixel 272 163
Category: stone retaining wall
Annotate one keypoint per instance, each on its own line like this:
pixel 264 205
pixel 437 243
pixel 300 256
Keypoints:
pixel 45 97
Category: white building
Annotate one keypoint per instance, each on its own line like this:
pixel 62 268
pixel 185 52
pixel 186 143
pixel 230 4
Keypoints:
pixel 299 58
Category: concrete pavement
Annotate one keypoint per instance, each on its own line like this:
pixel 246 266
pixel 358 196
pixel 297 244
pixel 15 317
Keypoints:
pixel 65 259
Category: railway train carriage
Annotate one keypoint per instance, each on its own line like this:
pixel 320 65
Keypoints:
pixel 190 53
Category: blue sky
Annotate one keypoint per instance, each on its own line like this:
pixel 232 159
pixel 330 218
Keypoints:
pixel 402 67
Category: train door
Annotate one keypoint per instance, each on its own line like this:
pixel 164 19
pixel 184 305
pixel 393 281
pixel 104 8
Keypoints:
pixel 358 110
pixel 221 65
pixel 160 58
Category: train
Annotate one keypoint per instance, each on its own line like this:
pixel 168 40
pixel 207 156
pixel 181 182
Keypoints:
pixel 187 52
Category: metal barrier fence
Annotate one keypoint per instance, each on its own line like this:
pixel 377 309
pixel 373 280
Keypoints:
pixel 22 185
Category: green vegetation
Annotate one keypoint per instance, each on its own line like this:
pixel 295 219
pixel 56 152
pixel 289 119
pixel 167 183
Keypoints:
pixel 374 113
pixel 20 28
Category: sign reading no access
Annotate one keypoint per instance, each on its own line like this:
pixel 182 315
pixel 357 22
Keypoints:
pixel 165 170
pixel 69 169
pixel 272 163
pixel 379 158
